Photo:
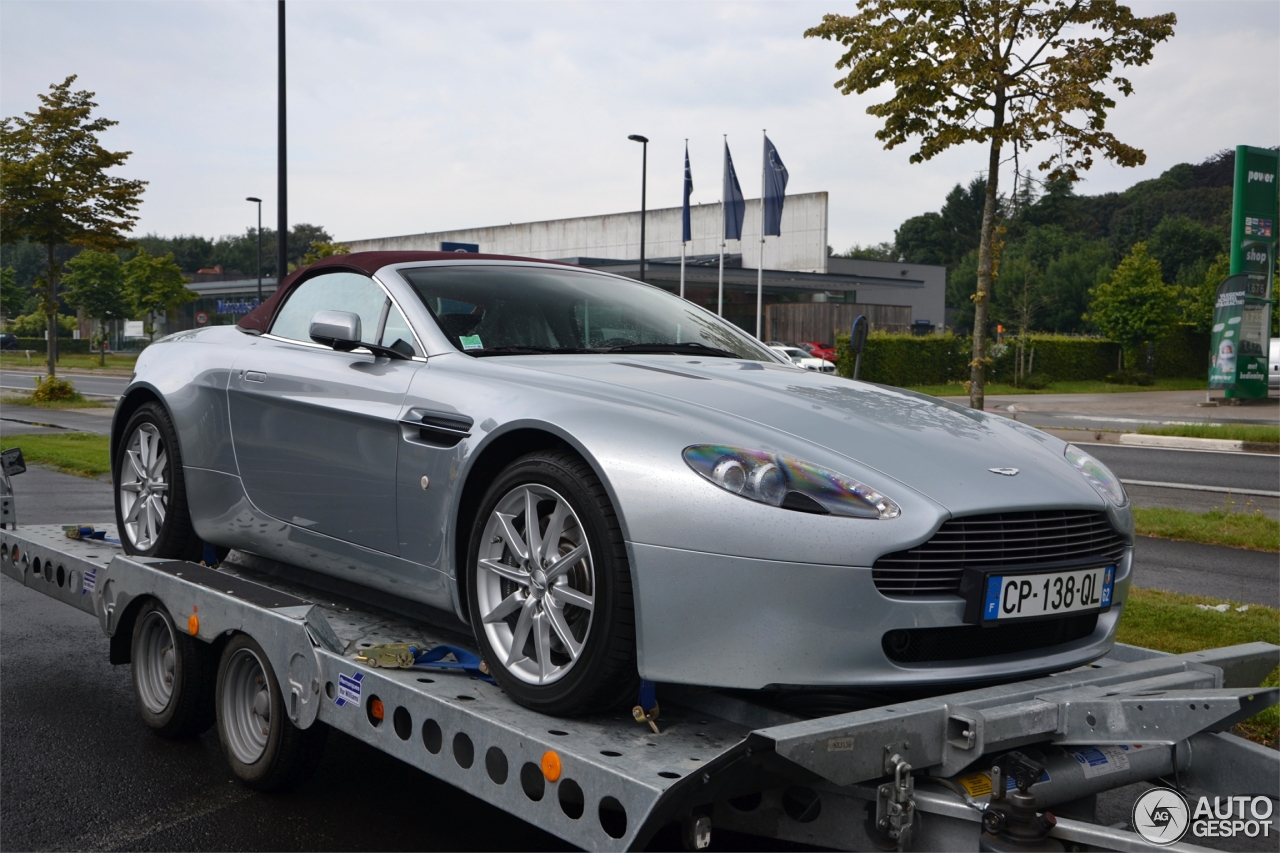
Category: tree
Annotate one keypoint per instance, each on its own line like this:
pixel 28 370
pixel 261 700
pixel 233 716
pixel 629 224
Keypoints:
pixel 1198 299
pixel 871 252
pixel 320 249
pixel 1134 304
pixel 1180 242
pixel 95 284
pixel 56 190
pixel 1000 72
pixel 11 296
pixel 154 286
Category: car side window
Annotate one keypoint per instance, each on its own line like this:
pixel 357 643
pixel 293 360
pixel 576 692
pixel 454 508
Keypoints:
pixel 335 291
pixel 396 333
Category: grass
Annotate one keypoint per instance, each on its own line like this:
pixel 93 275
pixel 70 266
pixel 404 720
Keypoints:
pixel 115 361
pixel 1171 622
pixel 1074 387
pixel 79 403
pixel 1261 433
pixel 1253 530
pixel 79 453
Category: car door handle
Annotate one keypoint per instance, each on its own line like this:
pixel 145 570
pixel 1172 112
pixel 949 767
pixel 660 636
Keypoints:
pixel 254 376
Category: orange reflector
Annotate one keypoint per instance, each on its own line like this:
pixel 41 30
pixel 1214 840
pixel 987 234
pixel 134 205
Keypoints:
pixel 193 624
pixel 375 708
pixel 551 766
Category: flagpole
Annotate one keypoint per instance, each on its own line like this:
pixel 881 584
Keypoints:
pixel 682 242
pixel 764 164
pixel 724 223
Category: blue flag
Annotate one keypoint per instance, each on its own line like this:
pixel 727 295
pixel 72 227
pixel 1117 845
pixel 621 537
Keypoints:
pixel 735 208
pixel 688 191
pixel 775 189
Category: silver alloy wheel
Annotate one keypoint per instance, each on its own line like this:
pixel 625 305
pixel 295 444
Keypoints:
pixel 535 584
pixel 153 662
pixel 144 491
pixel 246 706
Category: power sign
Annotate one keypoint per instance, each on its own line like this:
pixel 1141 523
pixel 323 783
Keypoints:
pixel 1242 313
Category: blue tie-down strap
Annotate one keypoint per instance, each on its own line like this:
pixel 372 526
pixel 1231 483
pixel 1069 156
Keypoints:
pixel 85 532
pixel 462 659
pixel 648 694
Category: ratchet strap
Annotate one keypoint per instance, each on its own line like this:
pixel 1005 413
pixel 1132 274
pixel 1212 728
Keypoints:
pixel 464 660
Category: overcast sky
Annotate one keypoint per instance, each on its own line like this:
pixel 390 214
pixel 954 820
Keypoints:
pixel 412 116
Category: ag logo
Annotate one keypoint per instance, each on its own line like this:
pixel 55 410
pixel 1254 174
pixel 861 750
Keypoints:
pixel 1161 816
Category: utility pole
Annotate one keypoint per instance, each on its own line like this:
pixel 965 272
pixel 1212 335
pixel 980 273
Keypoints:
pixel 282 171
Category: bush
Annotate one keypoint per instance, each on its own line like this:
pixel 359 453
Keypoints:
pixel 51 389
pixel 1129 377
pixel 66 346
pixel 1036 381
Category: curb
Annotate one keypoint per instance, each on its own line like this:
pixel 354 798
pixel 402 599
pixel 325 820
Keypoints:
pixel 1184 443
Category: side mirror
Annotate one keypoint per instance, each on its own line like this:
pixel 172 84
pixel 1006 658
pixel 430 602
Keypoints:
pixel 337 329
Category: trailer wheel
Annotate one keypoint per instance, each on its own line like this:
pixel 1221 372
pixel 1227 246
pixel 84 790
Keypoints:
pixel 173 675
pixel 266 751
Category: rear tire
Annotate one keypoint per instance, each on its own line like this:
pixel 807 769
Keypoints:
pixel 266 751
pixel 553 613
pixel 173 675
pixel 151 498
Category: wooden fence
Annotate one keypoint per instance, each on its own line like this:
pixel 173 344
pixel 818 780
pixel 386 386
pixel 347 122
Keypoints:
pixel 793 322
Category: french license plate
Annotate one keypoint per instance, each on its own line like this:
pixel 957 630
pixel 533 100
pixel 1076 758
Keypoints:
pixel 1028 596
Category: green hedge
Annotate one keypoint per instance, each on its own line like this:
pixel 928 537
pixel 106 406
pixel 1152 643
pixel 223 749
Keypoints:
pixel 66 346
pixel 907 360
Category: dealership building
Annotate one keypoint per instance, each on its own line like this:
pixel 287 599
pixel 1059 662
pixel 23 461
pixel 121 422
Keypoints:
pixel 808 295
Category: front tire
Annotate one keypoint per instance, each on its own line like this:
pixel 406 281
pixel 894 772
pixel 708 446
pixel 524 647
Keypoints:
pixel 549 588
pixel 151 498
pixel 266 751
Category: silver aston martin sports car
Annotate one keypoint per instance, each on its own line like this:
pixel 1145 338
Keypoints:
pixel 608 483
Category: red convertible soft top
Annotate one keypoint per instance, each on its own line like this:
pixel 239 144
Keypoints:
pixel 259 319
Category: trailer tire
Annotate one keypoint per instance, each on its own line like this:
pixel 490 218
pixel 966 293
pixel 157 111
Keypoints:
pixel 266 751
pixel 173 675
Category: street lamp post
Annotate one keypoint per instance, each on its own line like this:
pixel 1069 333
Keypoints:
pixel 644 175
pixel 258 201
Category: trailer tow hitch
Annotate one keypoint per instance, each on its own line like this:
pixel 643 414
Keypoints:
pixel 896 805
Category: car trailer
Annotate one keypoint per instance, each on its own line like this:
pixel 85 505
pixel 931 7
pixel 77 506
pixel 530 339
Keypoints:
pixel 914 775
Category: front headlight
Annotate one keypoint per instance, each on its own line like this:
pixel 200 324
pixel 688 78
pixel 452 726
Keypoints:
pixel 781 481
pixel 1099 476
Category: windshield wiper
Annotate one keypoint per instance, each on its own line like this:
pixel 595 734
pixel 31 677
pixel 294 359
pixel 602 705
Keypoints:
pixel 690 348
pixel 520 350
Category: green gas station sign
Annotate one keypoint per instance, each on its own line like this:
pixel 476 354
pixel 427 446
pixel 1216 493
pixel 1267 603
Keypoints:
pixel 1242 313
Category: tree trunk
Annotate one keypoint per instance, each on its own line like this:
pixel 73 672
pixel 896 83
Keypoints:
pixel 986 261
pixel 51 315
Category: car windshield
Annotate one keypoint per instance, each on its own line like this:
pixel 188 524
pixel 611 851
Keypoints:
pixel 514 310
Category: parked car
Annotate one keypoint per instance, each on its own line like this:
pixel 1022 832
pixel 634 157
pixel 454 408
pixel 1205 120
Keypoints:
pixel 8 341
pixel 818 350
pixel 1273 363
pixel 801 358
pixel 607 482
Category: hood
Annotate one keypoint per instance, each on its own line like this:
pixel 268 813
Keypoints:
pixel 938 449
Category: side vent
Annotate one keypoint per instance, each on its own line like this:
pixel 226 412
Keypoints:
pixel 438 429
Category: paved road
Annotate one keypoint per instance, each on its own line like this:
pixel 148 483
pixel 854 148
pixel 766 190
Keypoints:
pixel 1226 470
pixel 15 420
pixel 97 386
pixel 1126 411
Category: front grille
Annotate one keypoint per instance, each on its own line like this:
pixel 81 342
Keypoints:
pixel 966 642
pixel 1014 539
